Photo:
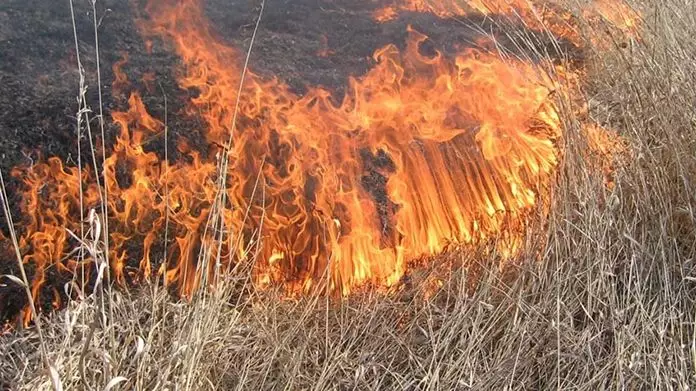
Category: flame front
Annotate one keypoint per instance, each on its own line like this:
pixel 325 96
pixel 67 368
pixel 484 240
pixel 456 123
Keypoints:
pixel 421 153
pixel 551 16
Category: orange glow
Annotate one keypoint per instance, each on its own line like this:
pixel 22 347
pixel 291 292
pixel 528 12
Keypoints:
pixel 442 8
pixel 422 153
pixel 616 14
pixel 539 15
pixel 385 14
pixel 605 147
pixel 534 14
pixel 324 49
pixel 148 80
pixel 120 77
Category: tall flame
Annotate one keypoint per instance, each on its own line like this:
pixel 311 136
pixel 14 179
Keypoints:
pixel 422 152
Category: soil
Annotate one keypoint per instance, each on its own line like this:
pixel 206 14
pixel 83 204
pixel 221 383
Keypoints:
pixel 39 80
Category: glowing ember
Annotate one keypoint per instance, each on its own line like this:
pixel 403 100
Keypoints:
pixel 462 149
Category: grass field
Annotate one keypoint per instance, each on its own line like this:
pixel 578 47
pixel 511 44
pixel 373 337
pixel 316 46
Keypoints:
pixel 609 303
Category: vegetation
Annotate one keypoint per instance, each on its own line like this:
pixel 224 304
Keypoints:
pixel 609 303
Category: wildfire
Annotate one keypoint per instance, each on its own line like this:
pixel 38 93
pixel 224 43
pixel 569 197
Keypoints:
pixel 539 15
pixel 422 152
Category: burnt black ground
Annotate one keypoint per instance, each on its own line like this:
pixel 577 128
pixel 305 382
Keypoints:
pixel 39 78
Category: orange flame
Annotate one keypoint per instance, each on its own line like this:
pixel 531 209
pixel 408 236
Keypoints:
pixel 538 15
pixel 120 77
pixel 421 153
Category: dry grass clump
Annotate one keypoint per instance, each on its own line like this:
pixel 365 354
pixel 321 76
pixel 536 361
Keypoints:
pixel 610 304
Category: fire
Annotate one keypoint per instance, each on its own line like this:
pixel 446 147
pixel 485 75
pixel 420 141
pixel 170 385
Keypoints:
pixel 423 152
pixel 616 14
pixel 442 8
pixel 120 77
pixel 538 15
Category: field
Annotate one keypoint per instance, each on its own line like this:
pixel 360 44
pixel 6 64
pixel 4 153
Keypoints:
pixel 604 297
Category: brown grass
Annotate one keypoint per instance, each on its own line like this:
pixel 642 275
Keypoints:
pixel 610 305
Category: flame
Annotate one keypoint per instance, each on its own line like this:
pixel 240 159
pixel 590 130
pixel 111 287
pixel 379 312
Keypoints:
pixel 385 14
pixel 120 77
pixel 616 14
pixel 619 14
pixel 423 152
pixel 441 8
pixel 538 15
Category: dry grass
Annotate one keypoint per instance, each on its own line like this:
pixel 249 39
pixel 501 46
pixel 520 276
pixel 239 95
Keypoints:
pixel 611 303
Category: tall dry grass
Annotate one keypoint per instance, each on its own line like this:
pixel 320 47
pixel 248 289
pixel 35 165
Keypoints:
pixel 609 304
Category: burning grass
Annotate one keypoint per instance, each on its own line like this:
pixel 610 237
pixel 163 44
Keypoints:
pixel 603 297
